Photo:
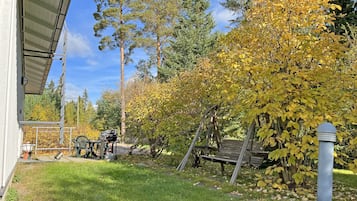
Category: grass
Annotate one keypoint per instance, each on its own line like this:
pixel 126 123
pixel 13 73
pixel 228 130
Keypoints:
pixel 105 181
pixel 12 195
pixel 347 177
pixel 345 183
pixel 136 178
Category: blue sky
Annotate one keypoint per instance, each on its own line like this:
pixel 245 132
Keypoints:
pixel 94 70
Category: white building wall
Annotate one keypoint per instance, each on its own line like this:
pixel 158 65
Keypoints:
pixel 11 90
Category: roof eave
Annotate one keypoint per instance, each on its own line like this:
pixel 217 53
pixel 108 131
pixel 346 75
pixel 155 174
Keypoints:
pixel 42 23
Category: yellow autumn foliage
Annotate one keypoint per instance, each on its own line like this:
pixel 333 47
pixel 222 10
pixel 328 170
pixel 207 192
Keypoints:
pixel 284 69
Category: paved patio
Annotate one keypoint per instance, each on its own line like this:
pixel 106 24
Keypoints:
pixel 119 149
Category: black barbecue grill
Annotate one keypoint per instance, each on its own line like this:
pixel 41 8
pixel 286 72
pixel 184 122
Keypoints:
pixel 110 137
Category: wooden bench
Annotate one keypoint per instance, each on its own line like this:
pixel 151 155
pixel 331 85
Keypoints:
pixel 230 150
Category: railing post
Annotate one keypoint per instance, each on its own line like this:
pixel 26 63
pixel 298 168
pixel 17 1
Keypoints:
pixel 70 139
pixel 326 134
pixel 36 145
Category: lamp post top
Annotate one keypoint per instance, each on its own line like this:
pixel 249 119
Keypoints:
pixel 326 132
pixel 326 128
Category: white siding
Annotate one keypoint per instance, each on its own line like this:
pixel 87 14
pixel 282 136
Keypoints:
pixel 11 90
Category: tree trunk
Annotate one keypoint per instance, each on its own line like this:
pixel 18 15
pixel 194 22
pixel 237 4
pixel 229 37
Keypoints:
pixel 122 92
pixel 158 56
pixel 122 81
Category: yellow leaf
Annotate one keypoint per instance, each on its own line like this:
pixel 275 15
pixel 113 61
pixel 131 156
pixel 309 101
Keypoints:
pixel 335 6
pixel 272 142
pixel 279 169
pixel 261 184
pixel 279 5
pixel 277 186
pixel 285 135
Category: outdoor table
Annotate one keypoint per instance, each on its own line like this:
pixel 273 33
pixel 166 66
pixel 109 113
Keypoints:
pixel 95 146
pixel 91 152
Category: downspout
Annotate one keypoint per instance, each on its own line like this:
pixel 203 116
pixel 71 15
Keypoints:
pixel 8 87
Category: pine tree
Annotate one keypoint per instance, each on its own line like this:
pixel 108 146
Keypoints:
pixel 116 16
pixel 108 111
pixel 346 16
pixel 143 69
pixel 158 18
pixel 193 38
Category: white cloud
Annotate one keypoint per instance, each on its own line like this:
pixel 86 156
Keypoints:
pixel 72 92
pixel 106 81
pixel 92 62
pixel 222 16
pixel 100 62
pixel 77 45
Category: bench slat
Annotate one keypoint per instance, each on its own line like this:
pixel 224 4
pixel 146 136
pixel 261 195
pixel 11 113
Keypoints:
pixel 217 159
pixel 230 151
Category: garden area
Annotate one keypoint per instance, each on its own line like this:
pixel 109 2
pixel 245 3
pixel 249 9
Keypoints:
pixel 133 178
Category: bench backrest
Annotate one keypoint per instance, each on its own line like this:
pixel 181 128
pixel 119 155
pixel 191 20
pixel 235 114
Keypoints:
pixel 256 146
pixel 231 148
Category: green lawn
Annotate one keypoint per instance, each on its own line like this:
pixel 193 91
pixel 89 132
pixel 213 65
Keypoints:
pixel 105 181
pixel 345 184
pixel 346 177
pixel 137 179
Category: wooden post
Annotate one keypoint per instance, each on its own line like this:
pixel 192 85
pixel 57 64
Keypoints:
pixel 183 163
pixel 242 152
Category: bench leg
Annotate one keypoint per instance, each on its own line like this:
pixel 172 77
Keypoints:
pixel 222 168
pixel 196 162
